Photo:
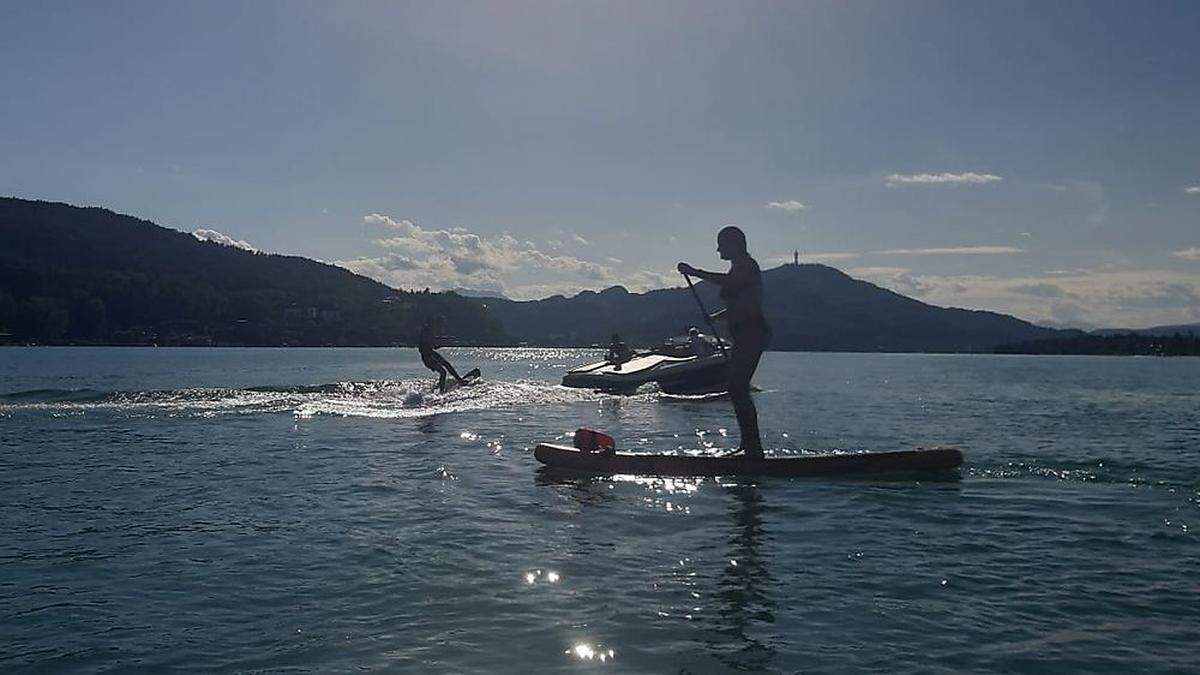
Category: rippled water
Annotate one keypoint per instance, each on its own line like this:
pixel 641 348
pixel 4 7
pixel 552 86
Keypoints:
pixel 323 510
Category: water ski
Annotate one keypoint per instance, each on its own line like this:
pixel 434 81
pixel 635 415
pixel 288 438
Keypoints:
pixel 469 379
pixel 608 462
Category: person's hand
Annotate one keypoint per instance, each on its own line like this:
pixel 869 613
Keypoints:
pixel 687 269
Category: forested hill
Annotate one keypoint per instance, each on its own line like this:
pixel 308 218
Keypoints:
pixel 71 275
pixel 809 307
pixel 91 276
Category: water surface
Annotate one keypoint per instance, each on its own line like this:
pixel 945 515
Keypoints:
pixel 322 510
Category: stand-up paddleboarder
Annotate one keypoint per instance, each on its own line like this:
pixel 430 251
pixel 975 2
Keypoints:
pixel 741 289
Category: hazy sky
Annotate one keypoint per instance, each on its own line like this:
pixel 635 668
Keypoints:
pixel 1038 158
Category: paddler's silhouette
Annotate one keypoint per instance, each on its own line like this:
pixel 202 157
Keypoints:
pixel 741 289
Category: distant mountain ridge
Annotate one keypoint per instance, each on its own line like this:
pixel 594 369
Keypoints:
pixel 1157 331
pixel 88 275
pixel 72 275
pixel 809 307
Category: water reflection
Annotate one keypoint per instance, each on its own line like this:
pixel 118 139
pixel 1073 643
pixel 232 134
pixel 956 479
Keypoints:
pixel 587 652
pixel 746 611
pixel 430 424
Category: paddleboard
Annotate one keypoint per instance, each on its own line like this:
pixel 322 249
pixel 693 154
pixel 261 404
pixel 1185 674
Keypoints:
pixel 903 461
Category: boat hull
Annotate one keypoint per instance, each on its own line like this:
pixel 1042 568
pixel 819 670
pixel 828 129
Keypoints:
pixel 684 375
pixel 867 463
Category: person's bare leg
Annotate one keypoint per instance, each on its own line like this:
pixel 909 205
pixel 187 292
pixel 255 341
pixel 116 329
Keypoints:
pixel 447 366
pixel 742 364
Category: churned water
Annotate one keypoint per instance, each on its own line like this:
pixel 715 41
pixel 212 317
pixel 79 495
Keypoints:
pixel 322 510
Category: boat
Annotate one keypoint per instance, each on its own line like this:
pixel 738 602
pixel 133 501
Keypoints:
pixel 684 375
pixel 607 462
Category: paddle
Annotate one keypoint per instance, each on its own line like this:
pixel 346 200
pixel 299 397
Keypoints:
pixel 707 319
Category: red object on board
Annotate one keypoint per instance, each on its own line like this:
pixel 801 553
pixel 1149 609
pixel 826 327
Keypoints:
pixel 590 440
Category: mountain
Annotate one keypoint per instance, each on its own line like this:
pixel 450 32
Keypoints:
pixel 475 293
pixel 809 307
pixel 1159 331
pixel 88 275
pixel 71 275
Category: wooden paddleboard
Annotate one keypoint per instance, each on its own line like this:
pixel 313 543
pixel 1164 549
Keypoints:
pixel 903 461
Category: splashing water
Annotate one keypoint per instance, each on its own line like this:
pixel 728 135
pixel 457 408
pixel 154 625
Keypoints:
pixel 381 399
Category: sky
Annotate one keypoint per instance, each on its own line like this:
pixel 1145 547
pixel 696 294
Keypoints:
pixel 1035 158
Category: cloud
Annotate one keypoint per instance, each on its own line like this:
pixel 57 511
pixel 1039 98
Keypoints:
pixel 969 178
pixel 1192 190
pixel 1077 298
pixel 1192 253
pixel 223 239
pixel 415 257
pixel 580 240
pixel 956 250
pixel 1038 290
pixel 899 279
pixel 789 205
pixel 406 228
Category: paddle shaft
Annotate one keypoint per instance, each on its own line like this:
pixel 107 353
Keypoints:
pixel 707 319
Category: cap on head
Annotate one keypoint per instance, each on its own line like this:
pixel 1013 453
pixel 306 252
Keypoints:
pixel 693 331
pixel 731 240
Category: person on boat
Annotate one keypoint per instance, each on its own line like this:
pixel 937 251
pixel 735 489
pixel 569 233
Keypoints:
pixel 618 351
pixel 699 343
pixel 427 346
pixel 741 289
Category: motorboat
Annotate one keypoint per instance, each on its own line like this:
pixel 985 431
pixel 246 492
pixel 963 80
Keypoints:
pixel 675 374
pixel 686 365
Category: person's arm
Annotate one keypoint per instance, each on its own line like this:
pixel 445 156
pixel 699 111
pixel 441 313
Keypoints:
pixel 715 277
pixel 742 275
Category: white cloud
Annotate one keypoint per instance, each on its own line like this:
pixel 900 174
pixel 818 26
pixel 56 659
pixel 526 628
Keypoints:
pixel 969 178
pixel 440 259
pixel 1078 298
pixel 1192 253
pixel 899 279
pixel 1192 190
pixel 225 240
pixel 789 205
pixel 955 250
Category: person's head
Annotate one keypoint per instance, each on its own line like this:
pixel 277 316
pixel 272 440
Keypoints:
pixel 731 242
pixel 693 331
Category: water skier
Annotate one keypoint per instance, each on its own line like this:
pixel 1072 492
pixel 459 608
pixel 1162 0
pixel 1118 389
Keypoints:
pixel 427 346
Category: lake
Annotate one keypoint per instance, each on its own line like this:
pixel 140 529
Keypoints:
pixel 269 510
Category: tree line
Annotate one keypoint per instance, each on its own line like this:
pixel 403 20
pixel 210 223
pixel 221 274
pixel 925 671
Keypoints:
pixel 1123 344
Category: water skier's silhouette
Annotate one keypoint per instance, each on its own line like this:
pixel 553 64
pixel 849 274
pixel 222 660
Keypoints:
pixel 427 345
